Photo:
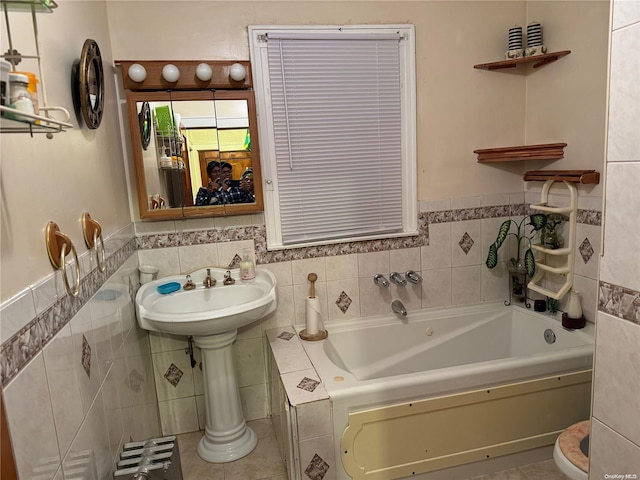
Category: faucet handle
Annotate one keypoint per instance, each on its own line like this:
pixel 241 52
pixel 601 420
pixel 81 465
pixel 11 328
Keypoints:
pixel 380 281
pixel 189 285
pixel 228 279
pixel 413 276
pixel 398 279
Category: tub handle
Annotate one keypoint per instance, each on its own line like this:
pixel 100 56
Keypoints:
pixel 398 279
pixel 413 277
pixel 380 281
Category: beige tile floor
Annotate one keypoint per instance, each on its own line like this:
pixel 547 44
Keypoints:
pixel 265 463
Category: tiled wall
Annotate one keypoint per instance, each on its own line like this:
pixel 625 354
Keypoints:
pixel 77 372
pixel 449 253
pixel 96 372
pixel 615 444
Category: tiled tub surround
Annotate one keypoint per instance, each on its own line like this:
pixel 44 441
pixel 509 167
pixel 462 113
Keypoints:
pixel 77 373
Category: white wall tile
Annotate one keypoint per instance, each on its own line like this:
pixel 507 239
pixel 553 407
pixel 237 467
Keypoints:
pixel 592 234
pixel 302 268
pixel 324 448
pixel 410 296
pixel 91 446
pixel 150 228
pixel 611 453
pixel 178 416
pixel 166 259
pixel 89 384
pixel 314 419
pixel 624 102
pixel 438 253
pixel 282 272
pixel 254 401
pixel 494 199
pixel 194 224
pixel 165 342
pixel 374 300
pixel 616 398
pixel 228 250
pixel 625 12
pixel 340 267
pixel 465 202
pixel 619 265
pixel 31 421
pixel 494 282
pixel 46 291
pixel 465 285
pixel 66 398
pixel 249 362
pixel 372 263
pixel 194 257
pixel 285 313
pixel 435 205
pixel 436 288
pixel 404 259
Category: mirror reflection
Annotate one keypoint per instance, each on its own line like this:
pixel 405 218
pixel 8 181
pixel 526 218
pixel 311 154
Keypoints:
pixel 200 153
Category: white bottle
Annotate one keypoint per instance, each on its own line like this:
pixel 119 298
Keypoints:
pixel 247 268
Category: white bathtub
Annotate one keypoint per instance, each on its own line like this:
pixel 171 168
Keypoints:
pixel 375 362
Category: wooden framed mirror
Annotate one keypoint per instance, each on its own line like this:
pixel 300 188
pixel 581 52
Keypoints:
pixel 203 157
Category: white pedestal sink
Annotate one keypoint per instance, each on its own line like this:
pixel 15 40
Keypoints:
pixel 212 316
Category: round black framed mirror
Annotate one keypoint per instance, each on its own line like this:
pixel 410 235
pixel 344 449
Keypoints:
pixel 90 87
pixel 144 121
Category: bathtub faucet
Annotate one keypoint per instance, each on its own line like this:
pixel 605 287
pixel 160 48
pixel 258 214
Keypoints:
pixel 398 279
pixel 380 281
pixel 413 277
pixel 398 307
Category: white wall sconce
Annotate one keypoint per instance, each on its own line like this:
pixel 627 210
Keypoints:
pixel 204 72
pixel 137 73
pixel 237 72
pixel 170 73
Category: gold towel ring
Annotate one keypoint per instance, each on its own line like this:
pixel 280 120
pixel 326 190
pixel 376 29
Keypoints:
pixel 92 232
pixel 58 246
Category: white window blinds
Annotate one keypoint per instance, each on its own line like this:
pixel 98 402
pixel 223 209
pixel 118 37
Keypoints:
pixel 337 128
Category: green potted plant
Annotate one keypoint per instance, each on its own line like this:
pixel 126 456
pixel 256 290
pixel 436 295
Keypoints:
pixel 518 269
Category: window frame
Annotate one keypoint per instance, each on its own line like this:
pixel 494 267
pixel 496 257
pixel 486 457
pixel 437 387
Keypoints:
pixel 259 63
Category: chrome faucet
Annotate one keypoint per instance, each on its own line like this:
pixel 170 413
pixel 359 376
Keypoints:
pixel 398 279
pixel 413 277
pixel 398 307
pixel 380 281
pixel 209 281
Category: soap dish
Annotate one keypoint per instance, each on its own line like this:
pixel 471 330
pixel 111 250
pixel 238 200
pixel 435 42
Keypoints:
pixel 167 288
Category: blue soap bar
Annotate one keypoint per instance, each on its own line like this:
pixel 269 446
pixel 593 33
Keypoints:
pixel 170 287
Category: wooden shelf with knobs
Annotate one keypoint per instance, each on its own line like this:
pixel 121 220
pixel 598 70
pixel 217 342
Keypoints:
pixel 583 177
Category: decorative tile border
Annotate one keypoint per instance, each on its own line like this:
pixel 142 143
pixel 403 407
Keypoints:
pixel 25 344
pixel 619 301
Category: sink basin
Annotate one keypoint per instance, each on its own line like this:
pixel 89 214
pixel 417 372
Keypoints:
pixel 206 311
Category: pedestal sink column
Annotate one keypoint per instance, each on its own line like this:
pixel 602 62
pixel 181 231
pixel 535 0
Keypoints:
pixel 226 436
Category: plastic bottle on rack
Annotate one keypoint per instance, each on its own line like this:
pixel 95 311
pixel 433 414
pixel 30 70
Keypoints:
pixel 19 96
pixel 32 88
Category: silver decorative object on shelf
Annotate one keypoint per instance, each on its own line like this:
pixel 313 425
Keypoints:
pixel 534 40
pixel 515 43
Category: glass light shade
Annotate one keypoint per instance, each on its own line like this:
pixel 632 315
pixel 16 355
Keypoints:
pixel 170 73
pixel 137 72
pixel 204 72
pixel 237 72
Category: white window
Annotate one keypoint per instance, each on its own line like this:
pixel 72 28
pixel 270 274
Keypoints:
pixel 336 112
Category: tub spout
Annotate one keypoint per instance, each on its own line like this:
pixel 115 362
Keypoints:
pixel 398 307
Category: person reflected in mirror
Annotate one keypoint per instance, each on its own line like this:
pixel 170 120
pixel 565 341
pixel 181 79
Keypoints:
pixel 209 195
pixel 221 188
pixel 246 185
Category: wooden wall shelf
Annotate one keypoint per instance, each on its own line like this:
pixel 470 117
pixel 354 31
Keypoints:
pixel 546 151
pixel 583 177
pixel 537 61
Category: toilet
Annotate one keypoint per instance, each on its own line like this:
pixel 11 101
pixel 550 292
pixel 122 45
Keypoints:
pixel 571 450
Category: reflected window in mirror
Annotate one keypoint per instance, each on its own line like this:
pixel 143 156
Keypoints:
pixel 203 156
